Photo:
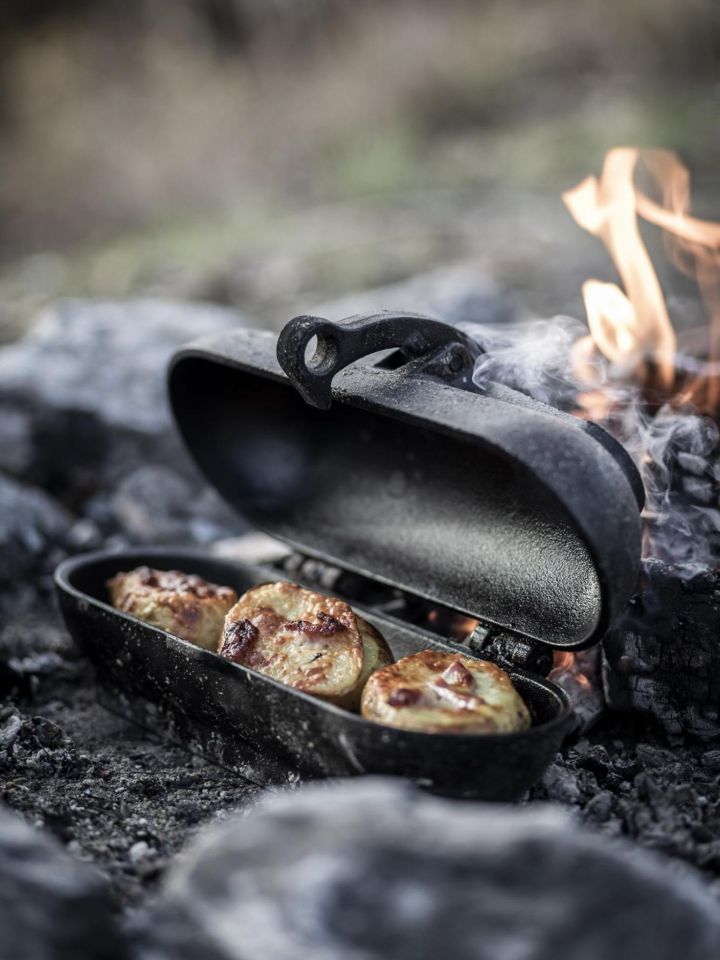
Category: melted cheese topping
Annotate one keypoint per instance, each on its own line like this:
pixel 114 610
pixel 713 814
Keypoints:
pixel 305 640
pixel 182 604
pixel 439 692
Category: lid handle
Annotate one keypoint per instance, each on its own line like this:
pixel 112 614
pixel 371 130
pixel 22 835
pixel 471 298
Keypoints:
pixel 340 344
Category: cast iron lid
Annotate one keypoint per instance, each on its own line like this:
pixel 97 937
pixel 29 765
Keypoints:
pixel 399 469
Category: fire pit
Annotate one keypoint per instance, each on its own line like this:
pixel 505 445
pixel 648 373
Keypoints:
pixel 639 757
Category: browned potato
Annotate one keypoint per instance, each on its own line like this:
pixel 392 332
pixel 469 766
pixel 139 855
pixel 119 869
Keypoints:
pixel 438 692
pixel 303 639
pixel 180 603
pixel 376 654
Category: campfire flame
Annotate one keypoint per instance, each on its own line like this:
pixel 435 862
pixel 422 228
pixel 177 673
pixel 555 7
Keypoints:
pixel 630 327
pixel 632 372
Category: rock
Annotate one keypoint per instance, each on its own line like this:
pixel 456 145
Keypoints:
pixel 156 505
pixel 16 448
pixel 107 359
pixel 85 389
pixel 457 295
pixel 50 906
pixel 560 785
pixel 33 532
pixel 373 869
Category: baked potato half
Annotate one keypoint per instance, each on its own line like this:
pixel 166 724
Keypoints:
pixel 305 640
pixel 182 604
pixel 437 692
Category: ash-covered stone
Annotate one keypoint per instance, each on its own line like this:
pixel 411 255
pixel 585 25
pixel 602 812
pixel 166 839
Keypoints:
pixel 86 387
pixel 106 359
pixel 51 907
pixel 457 295
pixel 32 527
pixel 84 415
pixel 156 505
pixel 16 446
pixel 34 535
pixel 376 870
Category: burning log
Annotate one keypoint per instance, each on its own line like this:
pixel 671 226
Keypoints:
pixel 662 657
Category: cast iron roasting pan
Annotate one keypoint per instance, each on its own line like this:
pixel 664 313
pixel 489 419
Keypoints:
pixel 380 455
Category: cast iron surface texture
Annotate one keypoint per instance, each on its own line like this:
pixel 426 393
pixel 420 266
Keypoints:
pixel 505 510
pixel 446 351
pixel 269 732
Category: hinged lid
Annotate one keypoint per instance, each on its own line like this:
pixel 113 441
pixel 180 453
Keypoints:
pixel 490 503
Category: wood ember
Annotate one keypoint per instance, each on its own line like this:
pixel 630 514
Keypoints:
pixel 662 657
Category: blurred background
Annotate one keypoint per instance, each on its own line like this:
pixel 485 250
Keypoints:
pixel 270 154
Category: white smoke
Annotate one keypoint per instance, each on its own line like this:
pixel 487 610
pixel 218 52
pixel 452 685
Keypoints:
pixel 531 356
pixel 676 451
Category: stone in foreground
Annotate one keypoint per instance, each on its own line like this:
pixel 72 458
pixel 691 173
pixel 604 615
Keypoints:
pixel 51 907
pixel 374 869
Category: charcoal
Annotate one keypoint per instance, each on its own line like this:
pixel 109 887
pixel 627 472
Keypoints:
pixel 692 463
pixel 374 869
pixel 699 490
pixel 561 785
pixel 695 435
pixel 661 658
pixel 36 745
pixel 51 906
pixel 711 761
pixel 10 731
pixel 665 798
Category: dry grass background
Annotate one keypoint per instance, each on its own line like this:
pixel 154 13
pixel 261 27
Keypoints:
pixel 264 154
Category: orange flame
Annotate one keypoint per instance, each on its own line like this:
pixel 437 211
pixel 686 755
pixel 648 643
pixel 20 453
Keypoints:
pixel 631 327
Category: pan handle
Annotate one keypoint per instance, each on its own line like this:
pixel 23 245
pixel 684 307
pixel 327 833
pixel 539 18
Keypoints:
pixel 342 343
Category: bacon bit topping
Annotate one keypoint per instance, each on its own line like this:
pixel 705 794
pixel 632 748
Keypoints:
pixel 240 635
pixel 404 697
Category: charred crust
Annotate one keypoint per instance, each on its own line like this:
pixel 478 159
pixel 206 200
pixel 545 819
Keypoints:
pixel 326 626
pixel 170 581
pixel 238 640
